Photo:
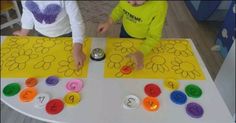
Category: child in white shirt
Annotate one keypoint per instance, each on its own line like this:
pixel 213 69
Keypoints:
pixel 55 19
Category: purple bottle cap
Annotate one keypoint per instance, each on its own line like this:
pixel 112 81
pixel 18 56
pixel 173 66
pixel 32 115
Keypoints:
pixel 194 110
pixel 52 80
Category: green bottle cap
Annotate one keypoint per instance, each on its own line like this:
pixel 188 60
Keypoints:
pixel 193 91
pixel 11 89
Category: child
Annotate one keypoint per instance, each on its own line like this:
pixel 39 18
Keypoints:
pixel 55 19
pixel 143 19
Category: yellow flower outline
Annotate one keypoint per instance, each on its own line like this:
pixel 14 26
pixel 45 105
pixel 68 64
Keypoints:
pixel 43 45
pixel 45 63
pixel 179 48
pixel 18 60
pixel 157 64
pixel 185 69
pixel 115 61
pixel 159 48
pixel 16 42
pixel 67 67
pixel 125 46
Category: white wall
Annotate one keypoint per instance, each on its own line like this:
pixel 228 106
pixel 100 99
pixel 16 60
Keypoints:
pixel 225 80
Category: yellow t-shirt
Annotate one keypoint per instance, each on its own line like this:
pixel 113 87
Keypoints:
pixel 145 21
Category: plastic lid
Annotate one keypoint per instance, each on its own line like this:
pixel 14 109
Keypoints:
pixel 126 70
pixel 131 102
pixel 171 84
pixel 11 89
pixel 54 106
pixel 41 100
pixel 52 80
pixel 152 90
pixel 72 98
pixel 194 110
pixel 74 85
pixel 151 104
pixel 193 91
pixel 28 94
pixel 178 97
pixel 31 82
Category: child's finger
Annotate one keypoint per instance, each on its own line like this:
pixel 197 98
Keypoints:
pixel 99 29
pixel 133 59
pixel 77 65
pixel 138 63
pixel 80 64
pixel 139 66
pixel 102 30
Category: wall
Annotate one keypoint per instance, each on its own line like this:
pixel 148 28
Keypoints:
pixel 225 80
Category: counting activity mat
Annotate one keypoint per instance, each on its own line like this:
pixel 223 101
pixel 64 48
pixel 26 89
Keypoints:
pixel 40 56
pixel 171 58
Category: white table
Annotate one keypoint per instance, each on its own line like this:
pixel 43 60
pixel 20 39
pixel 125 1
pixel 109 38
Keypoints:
pixel 102 99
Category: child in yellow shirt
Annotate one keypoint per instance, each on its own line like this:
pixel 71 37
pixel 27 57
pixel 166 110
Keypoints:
pixel 143 19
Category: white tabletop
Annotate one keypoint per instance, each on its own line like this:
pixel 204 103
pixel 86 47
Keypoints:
pixel 102 99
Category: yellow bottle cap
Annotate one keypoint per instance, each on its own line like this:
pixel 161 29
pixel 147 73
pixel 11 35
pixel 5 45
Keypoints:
pixel 72 98
pixel 171 84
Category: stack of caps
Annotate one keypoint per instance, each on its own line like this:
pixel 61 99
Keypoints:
pixel 151 103
pixel 194 109
pixel 30 92
pixel 72 98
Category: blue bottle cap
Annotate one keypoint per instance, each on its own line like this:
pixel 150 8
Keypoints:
pixel 178 97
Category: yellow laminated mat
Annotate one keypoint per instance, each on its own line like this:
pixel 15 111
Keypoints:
pixel 171 58
pixel 40 57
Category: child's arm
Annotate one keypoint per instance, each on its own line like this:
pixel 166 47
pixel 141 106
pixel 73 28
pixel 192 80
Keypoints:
pixel 153 36
pixel 155 31
pixel 26 21
pixel 115 16
pixel 79 56
pixel 78 30
pixel 103 27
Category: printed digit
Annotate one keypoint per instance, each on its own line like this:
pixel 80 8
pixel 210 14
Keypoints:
pixel 171 84
pixel 130 101
pixel 41 99
pixel 71 98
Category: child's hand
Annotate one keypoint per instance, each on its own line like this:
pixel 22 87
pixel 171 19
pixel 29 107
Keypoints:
pixel 103 27
pixel 79 56
pixel 22 32
pixel 137 57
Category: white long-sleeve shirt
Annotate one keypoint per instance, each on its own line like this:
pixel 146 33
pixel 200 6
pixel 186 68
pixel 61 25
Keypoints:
pixel 53 18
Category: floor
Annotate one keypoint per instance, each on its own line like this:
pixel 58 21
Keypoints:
pixel 179 24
